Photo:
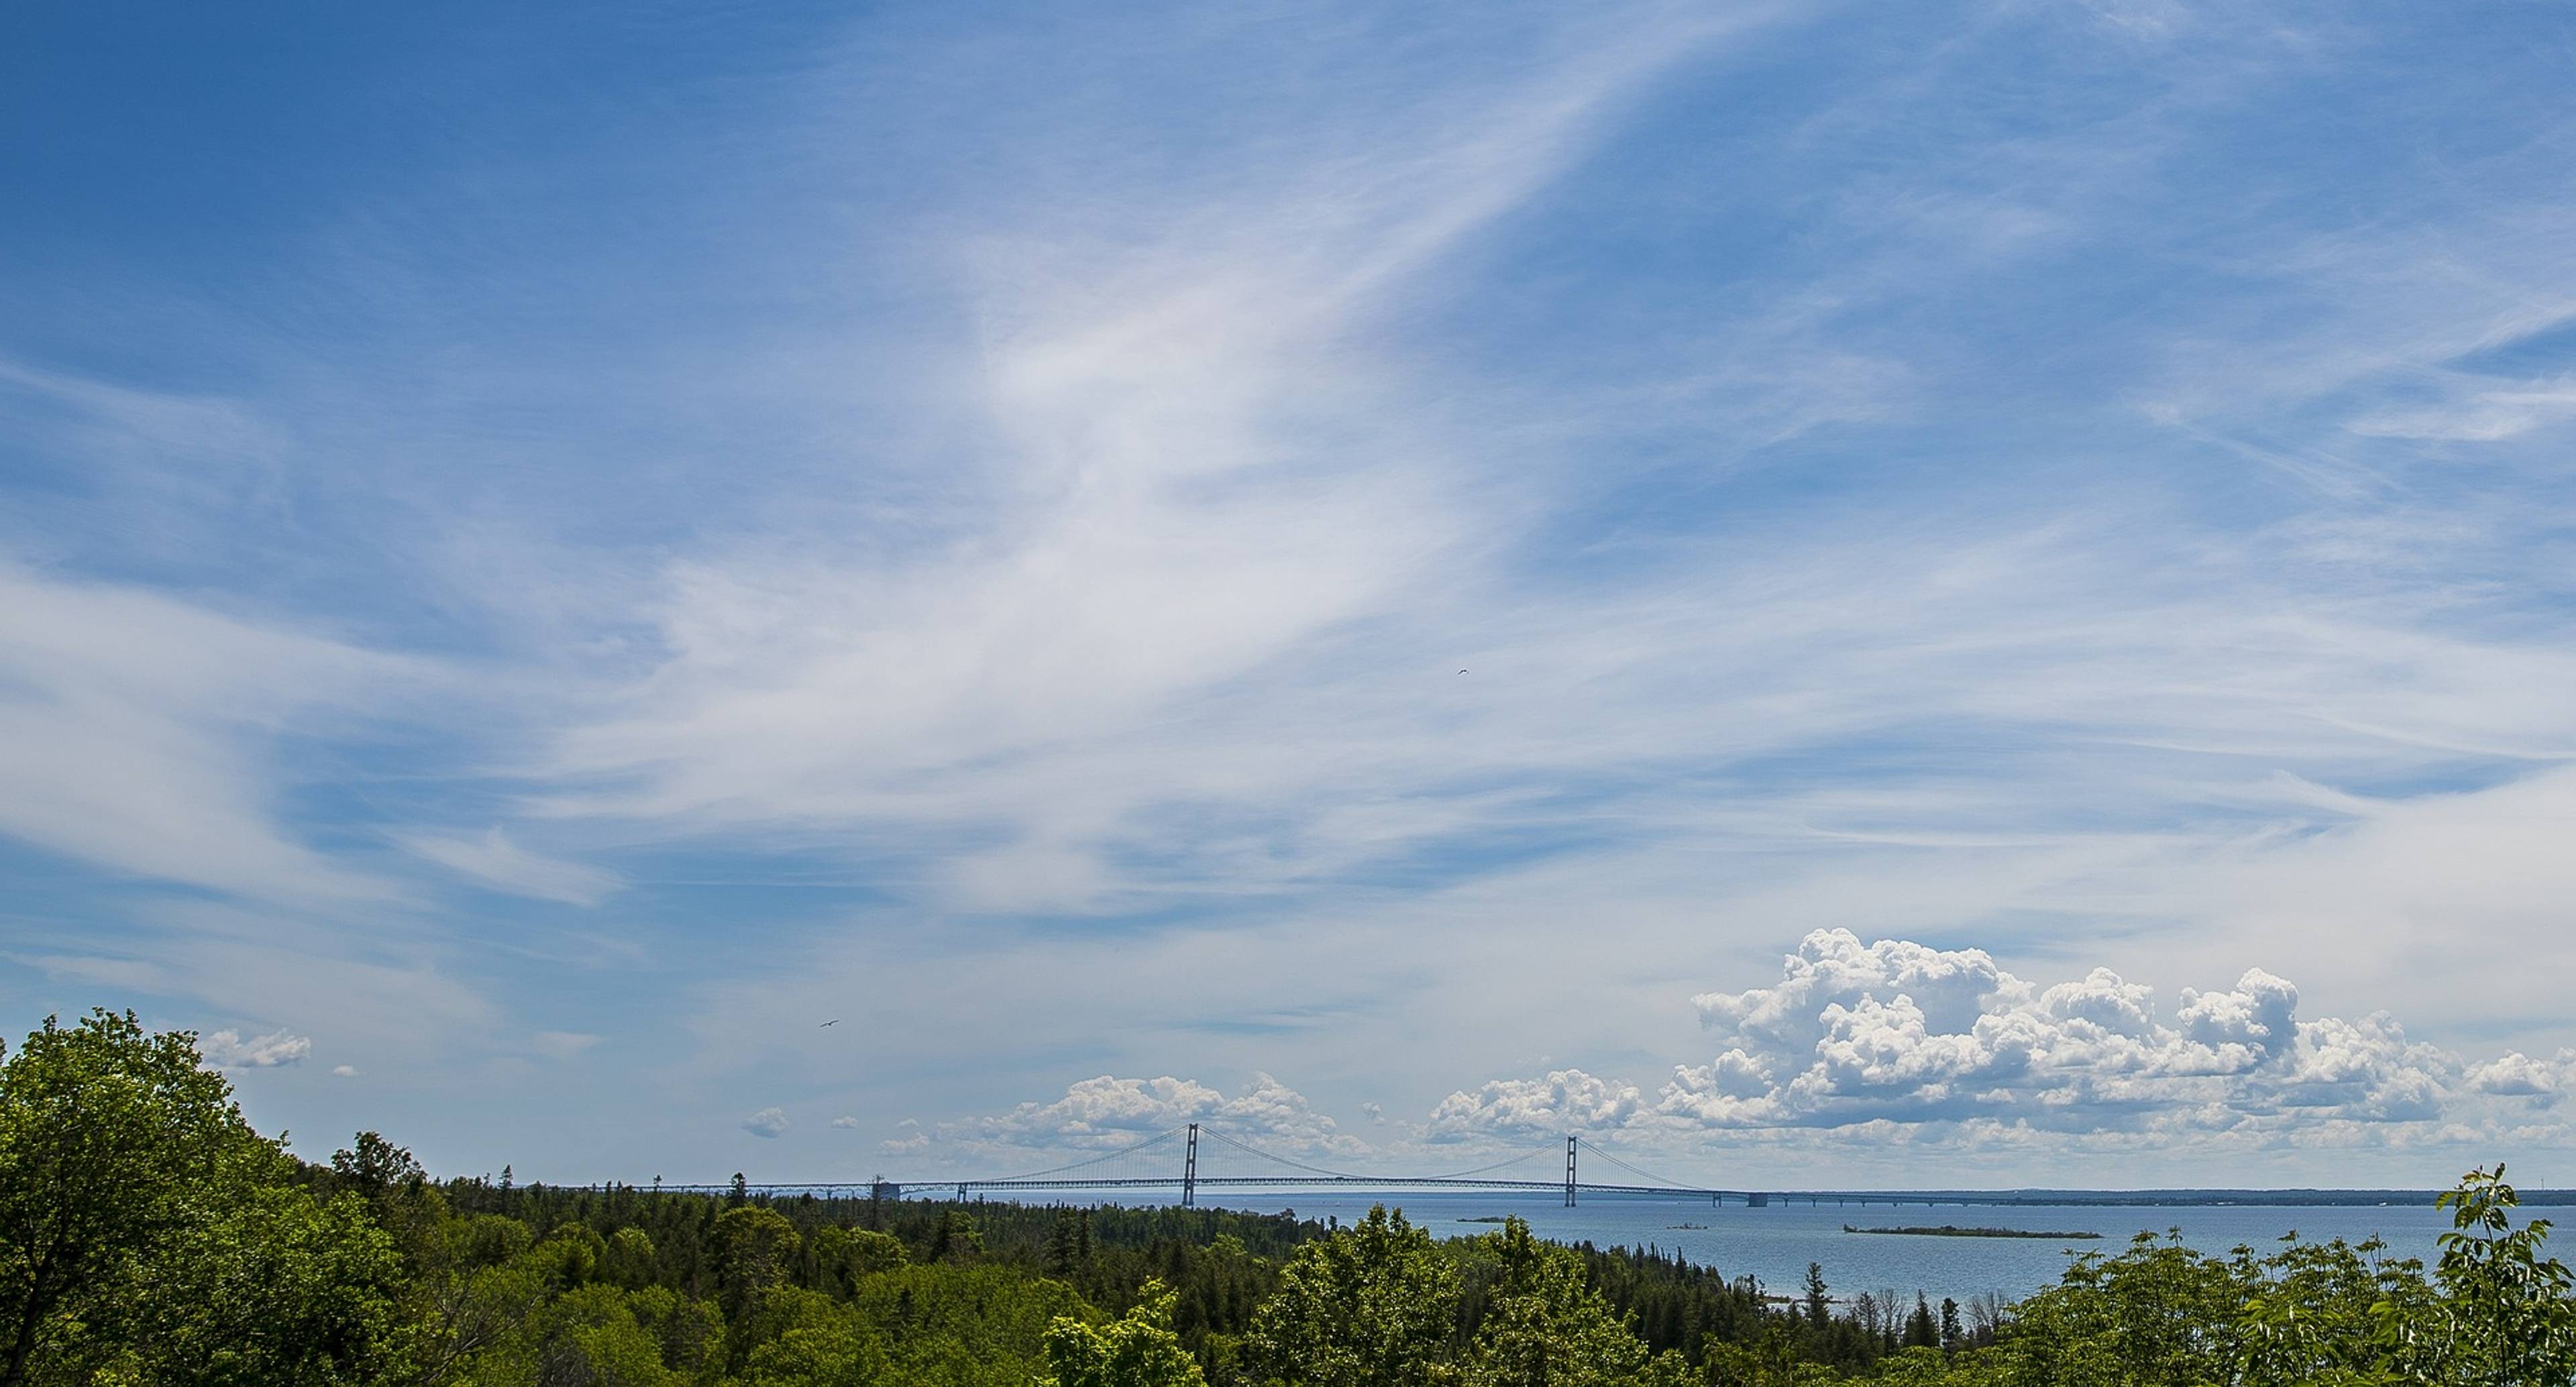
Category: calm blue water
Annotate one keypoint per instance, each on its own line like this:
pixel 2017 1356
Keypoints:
pixel 1775 1244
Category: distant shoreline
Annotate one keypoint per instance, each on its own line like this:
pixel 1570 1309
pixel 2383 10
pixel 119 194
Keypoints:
pixel 1733 1199
pixel 1952 1230
pixel 2191 1198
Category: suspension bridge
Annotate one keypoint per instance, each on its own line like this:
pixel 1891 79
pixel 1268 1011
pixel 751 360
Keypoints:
pixel 1196 1157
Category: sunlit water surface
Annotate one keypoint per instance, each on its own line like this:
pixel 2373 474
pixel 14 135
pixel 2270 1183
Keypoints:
pixel 1775 1244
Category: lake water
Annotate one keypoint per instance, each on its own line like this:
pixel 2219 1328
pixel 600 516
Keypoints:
pixel 1775 1244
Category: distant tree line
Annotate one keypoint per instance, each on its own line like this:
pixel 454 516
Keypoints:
pixel 148 1235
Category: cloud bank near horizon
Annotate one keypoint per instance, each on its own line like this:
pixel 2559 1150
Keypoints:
pixel 1893 1041
pixel 1895 1032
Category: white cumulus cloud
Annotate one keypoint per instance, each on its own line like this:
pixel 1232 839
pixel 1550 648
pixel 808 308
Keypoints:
pixel 767 1123
pixel 2517 1075
pixel 1863 1035
pixel 1565 1099
pixel 912 1139
pixel 228 1050
pixel 1107 1112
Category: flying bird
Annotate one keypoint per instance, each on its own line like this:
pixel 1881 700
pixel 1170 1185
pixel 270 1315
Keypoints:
pixel 1462 671
pixel 833 1022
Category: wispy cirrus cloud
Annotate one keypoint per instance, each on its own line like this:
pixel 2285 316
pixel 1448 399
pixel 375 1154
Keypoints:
pixel 1161 534
pixel 2481 412
pixel 137 723
pixel 1017 500
pixel 497 861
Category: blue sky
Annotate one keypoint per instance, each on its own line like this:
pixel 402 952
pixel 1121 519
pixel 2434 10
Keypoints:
pixel 1808 590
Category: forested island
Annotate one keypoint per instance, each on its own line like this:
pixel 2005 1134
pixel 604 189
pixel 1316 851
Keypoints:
pixel 149 1235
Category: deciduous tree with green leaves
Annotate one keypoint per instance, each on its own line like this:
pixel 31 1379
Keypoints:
pixel 1373 1305
pixel 276 1289
pixel 1545 1327
pixel 147 1233
pixel 109 1137
pixel 2506 1312
pixel 1136 1350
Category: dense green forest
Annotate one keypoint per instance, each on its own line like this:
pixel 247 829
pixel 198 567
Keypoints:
pixel 148 1235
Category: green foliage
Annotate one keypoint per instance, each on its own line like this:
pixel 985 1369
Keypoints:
pixel 807 1338
pixel 627 1259
pixel 1139 1350
pixel 959 1325
pixel 1819 1297
pixel 755 1247
pixel 842 1257
pixel 592 1334
pixel 2506 1316
pixel 1545 1327
pixel 2494 1313
pixel 956 1239
pixel 146 1230
pixel 1673 1304
pixel 1373 1305
pixel 396 1189
pixel 1919 1329
pixel 149 1236
pixel 276 1289
pixel 1770 1358
pixel 488 1240
pixel 1069 1244
pixel 2157 1313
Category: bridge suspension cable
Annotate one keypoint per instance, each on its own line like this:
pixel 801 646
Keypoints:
pixel 1102 1159
pixel 1126 1167
pixel 1529 1155
pixel 1344 1175
pixel 1249 1149
pixel 1598 1154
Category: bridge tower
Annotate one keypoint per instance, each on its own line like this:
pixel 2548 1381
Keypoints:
pixel 1570 1144
pixel 1190 1169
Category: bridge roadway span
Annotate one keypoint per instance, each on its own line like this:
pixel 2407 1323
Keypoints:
pixel 1755 1198
pixel 1299 1175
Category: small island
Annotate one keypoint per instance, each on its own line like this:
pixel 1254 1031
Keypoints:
pixel 1487 1218
pixel 1952 1230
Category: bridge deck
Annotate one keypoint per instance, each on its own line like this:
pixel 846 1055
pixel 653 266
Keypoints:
pixel 1184 1141
pixel 1372 1182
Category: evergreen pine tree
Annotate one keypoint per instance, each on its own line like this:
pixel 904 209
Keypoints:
pixel 1060 1239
